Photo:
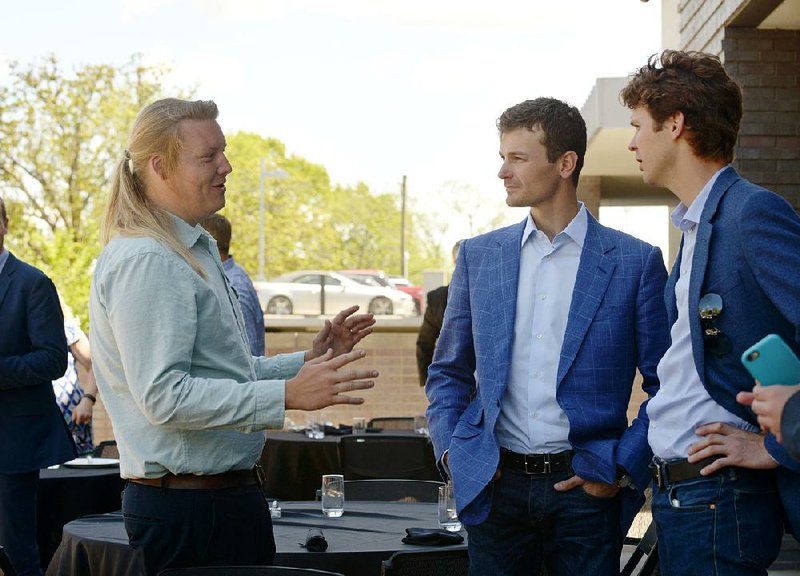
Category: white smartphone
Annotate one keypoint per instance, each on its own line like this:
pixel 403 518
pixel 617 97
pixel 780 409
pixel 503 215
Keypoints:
pixel 771 361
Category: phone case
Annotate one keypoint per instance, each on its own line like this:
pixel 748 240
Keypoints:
pixel 771 361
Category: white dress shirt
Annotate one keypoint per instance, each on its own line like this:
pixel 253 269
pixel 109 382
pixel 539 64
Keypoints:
pixel 682 402
pixel 531 421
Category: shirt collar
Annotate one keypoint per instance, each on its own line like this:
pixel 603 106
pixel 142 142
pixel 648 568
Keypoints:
pixel 687 218
pixel 189 234
pixel 576 229
pixel 3 259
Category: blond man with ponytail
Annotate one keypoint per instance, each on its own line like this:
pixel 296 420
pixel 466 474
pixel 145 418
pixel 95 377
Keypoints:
pixel 186 398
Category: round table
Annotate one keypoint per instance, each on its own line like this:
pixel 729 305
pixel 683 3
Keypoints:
pixel 367 533
pixel 69 493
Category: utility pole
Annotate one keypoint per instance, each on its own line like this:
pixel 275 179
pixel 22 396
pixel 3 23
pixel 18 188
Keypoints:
pixel 403 262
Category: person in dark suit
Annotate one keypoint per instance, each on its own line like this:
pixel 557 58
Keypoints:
pixel 546 324
pixel 431 325
pixel 33 353
pixel 715 502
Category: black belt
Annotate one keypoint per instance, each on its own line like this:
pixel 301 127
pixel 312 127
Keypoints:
pixel 665 473
pixel 537 463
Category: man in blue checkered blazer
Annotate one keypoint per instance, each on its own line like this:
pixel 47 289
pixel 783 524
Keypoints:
pixel 546 324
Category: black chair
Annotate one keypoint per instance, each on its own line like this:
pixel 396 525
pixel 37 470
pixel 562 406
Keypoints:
pixel 245 571
pixel 370 457
pixel 433 563
pixel 392 423
pixel 392 490
pixel 5 564
pixel 647 548
pixel 106 449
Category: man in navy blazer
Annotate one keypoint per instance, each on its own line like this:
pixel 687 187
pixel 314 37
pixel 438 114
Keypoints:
pixel 547 322
pixel 715 502
pixel 33 353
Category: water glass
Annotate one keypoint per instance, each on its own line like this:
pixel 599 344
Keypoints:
pixel 448 519
pixel 333 495
pixel 316 426
pixel 359 424
pixel 421 424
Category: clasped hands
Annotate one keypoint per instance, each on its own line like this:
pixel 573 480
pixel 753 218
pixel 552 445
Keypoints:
pixel 322 381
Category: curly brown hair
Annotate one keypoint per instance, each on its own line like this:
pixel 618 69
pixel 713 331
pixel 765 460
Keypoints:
pixel 696 84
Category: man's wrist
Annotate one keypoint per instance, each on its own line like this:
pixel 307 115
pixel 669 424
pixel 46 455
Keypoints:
pixel 91 397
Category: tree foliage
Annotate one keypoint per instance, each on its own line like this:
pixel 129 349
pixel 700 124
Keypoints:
pixel 62 133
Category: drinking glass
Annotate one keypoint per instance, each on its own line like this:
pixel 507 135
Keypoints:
pixel 333 495
pixel 359 424
pixel 421 424
pixel 448 519
pixel 316 426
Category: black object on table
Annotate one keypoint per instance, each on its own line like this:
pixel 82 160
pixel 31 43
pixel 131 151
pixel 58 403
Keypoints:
pixel 69 493
pixel 358 541
pixel 294 464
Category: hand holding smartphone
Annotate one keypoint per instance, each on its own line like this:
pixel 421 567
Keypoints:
pixel 771 361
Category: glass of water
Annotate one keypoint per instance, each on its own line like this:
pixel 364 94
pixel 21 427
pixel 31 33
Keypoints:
pixel 333 495
pixel 448 519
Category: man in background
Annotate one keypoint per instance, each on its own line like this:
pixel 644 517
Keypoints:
pixel 33 353
pixel 432 325
pixel 220 228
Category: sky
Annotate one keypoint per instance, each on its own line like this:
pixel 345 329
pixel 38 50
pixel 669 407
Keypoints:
pixel 371 89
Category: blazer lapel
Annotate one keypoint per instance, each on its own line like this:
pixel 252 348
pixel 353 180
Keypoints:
pixel 5 277
pixel 700 261
pixel 505 304
pixel 594 273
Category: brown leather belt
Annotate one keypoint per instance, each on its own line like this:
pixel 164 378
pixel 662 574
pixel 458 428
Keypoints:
pixel 536 463
pixel 233 479
pixel 665 473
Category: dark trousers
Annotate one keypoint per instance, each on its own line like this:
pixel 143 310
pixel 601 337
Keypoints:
pixel 173 528
pixel 726 524
pixel 18 521
pixel 530 525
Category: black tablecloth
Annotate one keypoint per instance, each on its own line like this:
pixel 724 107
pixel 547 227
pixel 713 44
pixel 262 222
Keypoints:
pixel 368 533
pixel 69 493
pixel 294 464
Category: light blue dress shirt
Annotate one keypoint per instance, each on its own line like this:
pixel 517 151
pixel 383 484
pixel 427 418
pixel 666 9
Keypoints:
pixel 682 402
pixel 531 421
pixel 173 364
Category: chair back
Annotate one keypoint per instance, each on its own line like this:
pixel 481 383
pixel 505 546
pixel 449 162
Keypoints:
pixel 5 564
pixel 428 563
pixel 106 449
pixel 245 571
pixel 392 422
pixel 647 548
pixel 369 456
pixel 393 490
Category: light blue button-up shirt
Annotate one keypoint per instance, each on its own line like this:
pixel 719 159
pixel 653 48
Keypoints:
pixel 173 364
pixel 3 259
pixel 683 403
pixel 531 421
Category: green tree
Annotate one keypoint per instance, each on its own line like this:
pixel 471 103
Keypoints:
pixel 62 134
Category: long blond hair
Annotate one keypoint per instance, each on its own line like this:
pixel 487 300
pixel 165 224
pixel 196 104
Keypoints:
pixel 130 212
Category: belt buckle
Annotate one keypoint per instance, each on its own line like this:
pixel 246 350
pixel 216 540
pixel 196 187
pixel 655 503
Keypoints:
pixel 545 468
pixel 659 474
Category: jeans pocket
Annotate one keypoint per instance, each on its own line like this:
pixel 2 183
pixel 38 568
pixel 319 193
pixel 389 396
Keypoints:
pixel 759 529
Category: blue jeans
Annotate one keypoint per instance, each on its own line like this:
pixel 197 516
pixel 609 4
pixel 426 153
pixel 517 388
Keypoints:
pixel 728 524
pixel 530 525
pixel 18 520
pixel 179 528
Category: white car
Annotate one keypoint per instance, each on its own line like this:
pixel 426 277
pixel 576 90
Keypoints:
pixel 300 293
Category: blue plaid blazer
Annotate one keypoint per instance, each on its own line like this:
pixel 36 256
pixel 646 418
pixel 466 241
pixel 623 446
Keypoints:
pixel 617 323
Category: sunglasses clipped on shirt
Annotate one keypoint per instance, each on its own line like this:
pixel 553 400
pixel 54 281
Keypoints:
pixel 714 339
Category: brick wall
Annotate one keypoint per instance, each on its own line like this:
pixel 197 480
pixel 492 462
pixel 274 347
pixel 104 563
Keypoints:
pixel 766 65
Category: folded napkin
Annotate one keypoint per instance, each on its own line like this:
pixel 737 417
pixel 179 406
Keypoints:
pixel 315 541
pixel 342 430
pixel 432 537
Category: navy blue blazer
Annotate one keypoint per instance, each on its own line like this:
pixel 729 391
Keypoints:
pixel 33 353
pixel 617 323
pixel 747 251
